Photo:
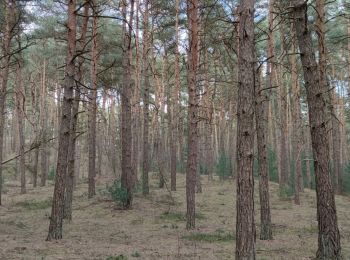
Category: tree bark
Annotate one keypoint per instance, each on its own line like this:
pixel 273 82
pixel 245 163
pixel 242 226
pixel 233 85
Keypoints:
pixel 6 52
pixel 297 136
pixel 146 86
pixel 261 117
pixel 283 112
pixel 127 170
pixel 192 14
pixel 93 108
pixel 56 219
pixel 328 236
pixel 136 108
pixel 322 63
pixel 245 224
pixel 72 174
pixel 20 94
pixel 44 135
pixel 175 103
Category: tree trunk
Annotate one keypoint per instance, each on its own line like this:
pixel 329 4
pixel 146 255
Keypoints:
pixel 245 224
pixel 6 42
pixel 56 219
pixel 192 14
pixel 146 86
pixel 127 171
pixel 261 117
pixel 72 174
pixel 283 108
pixel 297 136
pixel 335 133
pixel 328 237
pixel 175 103
pixel 93 109
pixel 208 125
pixel 20 94
pixel 44 135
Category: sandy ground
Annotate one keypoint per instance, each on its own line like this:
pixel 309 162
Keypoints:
pixel 100 231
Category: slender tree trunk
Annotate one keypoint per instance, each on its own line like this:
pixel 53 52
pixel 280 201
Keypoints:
pixel 127 171
pixel 261 116
pixel 20 94
pixel 93 109
pixel 175 102
pixel 308 157
pixel 146 86
pixel 160 126
pixel 336 141
pixel 136 101
pixel 245 224
pixel 56 219
pixel 208 128
pixel 274 107
pixel 283 108
pixel 296 119
pixel 192 14
pixel 328 237
pixel 72 174
pixel 6 52
pixel 43 126
pixel 35 161
pixel 113 138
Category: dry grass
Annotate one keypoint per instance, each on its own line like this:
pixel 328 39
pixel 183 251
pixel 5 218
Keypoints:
pixel 154 229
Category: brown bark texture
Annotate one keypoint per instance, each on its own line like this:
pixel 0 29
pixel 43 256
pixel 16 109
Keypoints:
pixel 245 224
pixel 56 218
pixel 126 94
pixel 328 236
pixel 192 14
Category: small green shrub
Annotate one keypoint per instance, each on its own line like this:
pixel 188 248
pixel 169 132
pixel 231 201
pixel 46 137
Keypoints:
pixel 52 173
pixel 136 222
pixel 175 216
pixel 313 229
pixel 35 205
pixel 179 216
pixel 174 226
pixel 217 236
pixel 138 186
pixel 272 162
pixel 285 192
pixel 18 224
pixel 200 215
pixel 136 254
pixel 346 179
pixel 223 166
pixel 203 169
pixel 119 257
pixel 118 193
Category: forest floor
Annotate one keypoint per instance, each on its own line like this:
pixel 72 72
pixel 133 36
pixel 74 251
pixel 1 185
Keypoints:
pixel 155 229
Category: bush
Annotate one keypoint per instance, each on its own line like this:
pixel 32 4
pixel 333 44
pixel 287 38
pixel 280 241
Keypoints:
pixel 203 168
pixel 217 236
pixel 285 192
pixel 223 166
pixel 119 257
pixel 272 162
pixel 118 193
pixel 35 205
pixel 346 178
pixel 51 175
pixel 136 254
pixel 179 216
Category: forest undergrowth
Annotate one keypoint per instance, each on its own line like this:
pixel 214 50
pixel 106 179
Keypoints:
pixel 155 227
